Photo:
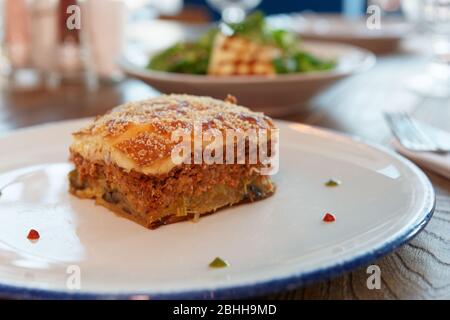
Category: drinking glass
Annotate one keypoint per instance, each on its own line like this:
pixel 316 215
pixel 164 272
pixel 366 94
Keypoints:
pixel 432 18
pixel 233 11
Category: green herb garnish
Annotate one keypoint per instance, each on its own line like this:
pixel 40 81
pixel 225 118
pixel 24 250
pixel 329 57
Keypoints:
pixel 218 263
pixel 333 183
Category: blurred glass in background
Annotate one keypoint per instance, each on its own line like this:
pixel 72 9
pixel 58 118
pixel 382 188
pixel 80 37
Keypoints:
pixel 43 44
pixel 233 11
pixel 432 18
pixel 216 10
pixel 36 43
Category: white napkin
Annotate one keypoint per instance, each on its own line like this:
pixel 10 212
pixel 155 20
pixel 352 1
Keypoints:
pixel 438 163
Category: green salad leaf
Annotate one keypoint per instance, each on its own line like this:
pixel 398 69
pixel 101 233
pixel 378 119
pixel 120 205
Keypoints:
pixel 253 27
pixel 301 61
pixel 185 57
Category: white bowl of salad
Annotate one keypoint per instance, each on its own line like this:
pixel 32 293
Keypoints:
pixel 269 70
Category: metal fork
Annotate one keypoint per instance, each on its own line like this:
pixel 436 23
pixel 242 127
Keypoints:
pixel 417 136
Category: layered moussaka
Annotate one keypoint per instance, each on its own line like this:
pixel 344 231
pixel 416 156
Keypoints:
pixel 173 158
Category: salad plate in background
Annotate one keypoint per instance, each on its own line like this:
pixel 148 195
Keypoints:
pixel 353 31
pixel 289 71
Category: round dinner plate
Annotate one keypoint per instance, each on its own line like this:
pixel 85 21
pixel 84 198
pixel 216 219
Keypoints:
pixel 278 243
pixel 360 32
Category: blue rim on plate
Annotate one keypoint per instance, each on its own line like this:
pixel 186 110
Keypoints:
pixel 288 282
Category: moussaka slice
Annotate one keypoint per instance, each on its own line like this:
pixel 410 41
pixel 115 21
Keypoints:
pixel 174 157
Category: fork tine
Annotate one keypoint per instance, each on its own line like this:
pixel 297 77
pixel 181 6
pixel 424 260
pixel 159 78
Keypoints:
pixel 411 129
pixel 408 132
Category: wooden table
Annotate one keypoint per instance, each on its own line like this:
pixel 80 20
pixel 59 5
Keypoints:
pixel 419 269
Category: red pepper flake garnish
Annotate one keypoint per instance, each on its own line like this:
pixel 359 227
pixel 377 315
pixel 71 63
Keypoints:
pixel 33 235
pixel 328 217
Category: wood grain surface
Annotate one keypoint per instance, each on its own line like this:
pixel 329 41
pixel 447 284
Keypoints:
pixel 418 270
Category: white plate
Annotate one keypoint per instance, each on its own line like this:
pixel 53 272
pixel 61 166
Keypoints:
pixel 276 95
pixel 332 27
pixel 274 244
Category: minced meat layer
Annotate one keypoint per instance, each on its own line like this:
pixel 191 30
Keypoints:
pixel 187 191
